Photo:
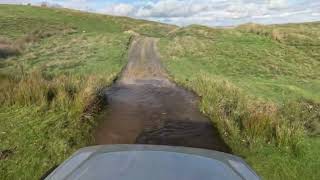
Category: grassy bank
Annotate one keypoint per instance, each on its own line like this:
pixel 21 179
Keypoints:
pixel 259 88
pixel 44 121
pixel 49 99
pixel 53 65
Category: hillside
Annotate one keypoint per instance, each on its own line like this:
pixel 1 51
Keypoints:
pixel 54 63
pixel 274 62
pixel 258 84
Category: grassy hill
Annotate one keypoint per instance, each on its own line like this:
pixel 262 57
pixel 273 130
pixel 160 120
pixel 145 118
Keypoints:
pixel 275 68
pixel 259 84
pixel 53 63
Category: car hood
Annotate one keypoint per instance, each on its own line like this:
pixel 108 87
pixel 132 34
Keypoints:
pixel 151 162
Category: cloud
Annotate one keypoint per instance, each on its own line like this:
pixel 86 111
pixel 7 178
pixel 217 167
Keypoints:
pixel 220 12
pixel 206 12
pixel 13 2
pixel 276 4
pixel 120 9
pixel 171 8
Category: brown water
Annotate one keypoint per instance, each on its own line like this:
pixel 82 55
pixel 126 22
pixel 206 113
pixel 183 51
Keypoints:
pixel 144 107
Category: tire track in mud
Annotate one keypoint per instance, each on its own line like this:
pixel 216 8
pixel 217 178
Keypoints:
pixel 144 107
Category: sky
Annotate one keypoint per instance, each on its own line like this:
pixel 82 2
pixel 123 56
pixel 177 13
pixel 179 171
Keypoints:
pixel 205 12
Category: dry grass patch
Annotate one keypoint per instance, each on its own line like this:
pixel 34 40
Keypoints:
pixel 15 47
pixel 62 92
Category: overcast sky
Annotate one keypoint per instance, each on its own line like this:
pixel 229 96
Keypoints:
pixel 206 12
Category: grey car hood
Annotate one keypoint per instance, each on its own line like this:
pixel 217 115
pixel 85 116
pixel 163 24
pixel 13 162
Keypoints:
pixel 151 162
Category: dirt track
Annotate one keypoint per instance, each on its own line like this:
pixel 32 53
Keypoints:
pixel 144 107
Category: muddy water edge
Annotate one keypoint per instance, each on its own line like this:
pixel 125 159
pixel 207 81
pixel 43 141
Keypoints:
pixel 144 107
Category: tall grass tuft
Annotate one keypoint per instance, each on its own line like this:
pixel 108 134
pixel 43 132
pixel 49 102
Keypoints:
pixel 262 30
pixel 73 93
pixel 245 120
pixel 15 47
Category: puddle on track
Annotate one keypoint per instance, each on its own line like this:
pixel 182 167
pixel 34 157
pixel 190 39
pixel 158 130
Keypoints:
pixel 144 107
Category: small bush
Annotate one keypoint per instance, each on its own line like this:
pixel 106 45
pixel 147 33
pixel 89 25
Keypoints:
pixel 277 35
pixel 6 51
pixel 7 48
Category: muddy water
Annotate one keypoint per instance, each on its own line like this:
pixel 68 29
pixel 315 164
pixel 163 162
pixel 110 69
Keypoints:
pixel 144 107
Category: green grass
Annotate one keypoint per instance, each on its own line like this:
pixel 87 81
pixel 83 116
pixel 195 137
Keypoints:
pixel 260 87
pixel 44 121
pixel 35 142
pixel 72 54
pixel 258 64
pixel 50 89
pixel 274 164
pixel 20 20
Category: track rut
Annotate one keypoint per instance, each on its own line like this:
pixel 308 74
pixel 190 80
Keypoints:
pixel 145 107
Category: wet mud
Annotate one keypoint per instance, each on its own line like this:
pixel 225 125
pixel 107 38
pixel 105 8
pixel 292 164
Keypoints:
pixel 144 107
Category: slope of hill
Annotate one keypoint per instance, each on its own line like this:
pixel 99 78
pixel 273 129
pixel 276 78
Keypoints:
pixel 260 85
pixel 276 68
pixel 53 62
